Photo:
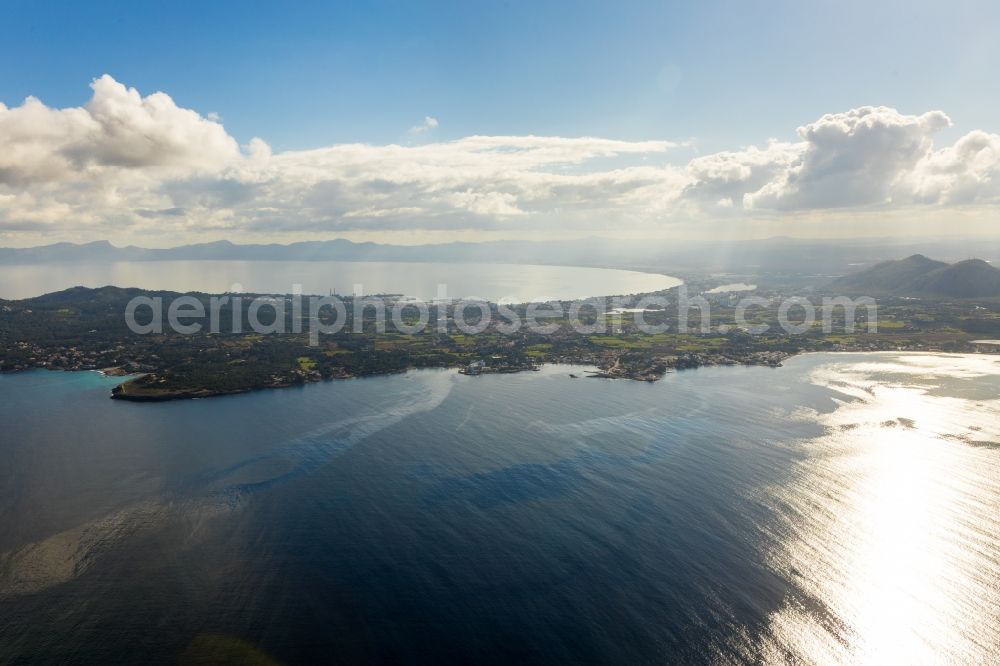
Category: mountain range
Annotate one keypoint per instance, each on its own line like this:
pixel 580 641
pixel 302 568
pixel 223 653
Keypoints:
pixel 823 257
pixel 919 276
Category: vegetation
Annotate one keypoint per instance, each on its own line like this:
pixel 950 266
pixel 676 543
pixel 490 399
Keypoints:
pixel 922 277
pixel 85 329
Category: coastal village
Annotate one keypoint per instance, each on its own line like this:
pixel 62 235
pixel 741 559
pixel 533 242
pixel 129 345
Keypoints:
pixel 83 329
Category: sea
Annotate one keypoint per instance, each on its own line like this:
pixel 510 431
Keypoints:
pixel 844 508
pixel 515 283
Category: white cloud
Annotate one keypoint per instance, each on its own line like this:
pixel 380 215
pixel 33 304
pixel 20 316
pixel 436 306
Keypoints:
pixel 428 123
pixel 124 163
pixel 851 159
pixel 871 156
pixel 116 128
pixel 732 176
pixel 965 173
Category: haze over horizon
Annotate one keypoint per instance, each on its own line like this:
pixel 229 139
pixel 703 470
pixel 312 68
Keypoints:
pixel 423 133
pixel 519 331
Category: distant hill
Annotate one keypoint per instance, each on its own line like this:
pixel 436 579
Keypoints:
pixel 823 258
pixel 920 276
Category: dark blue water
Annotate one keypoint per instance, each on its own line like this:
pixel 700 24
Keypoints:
pixel 432 517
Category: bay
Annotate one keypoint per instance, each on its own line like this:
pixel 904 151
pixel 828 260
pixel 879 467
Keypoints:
pixel 518 283
pixel 850 512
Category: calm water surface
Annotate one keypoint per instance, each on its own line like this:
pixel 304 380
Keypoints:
pixel 850 513
pixel 515 282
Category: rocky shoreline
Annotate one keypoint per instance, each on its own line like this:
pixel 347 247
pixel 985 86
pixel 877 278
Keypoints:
pixel 650 371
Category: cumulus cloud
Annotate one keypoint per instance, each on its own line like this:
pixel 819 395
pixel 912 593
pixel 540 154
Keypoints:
pixel 124 162
pixel 849 159
pixel 871 156
pixel 116 128
pixel 428 123
pixel 965 173
pixel 728 178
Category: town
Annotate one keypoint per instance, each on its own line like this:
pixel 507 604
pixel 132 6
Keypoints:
pixel 84 329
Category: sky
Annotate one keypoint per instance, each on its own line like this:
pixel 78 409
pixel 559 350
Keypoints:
pixel 166 123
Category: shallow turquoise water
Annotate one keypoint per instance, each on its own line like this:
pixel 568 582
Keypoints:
pixel 843 508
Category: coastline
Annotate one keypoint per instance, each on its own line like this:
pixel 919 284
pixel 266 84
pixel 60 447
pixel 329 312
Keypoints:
pixel 80 329
pixel 127 391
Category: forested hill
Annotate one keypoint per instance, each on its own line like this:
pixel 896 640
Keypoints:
pixel 920 276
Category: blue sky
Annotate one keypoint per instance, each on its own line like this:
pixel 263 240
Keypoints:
pixel 713 76
pixel 305 74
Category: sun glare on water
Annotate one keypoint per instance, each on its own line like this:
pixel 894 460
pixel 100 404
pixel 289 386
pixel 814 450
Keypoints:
pixel 891 525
